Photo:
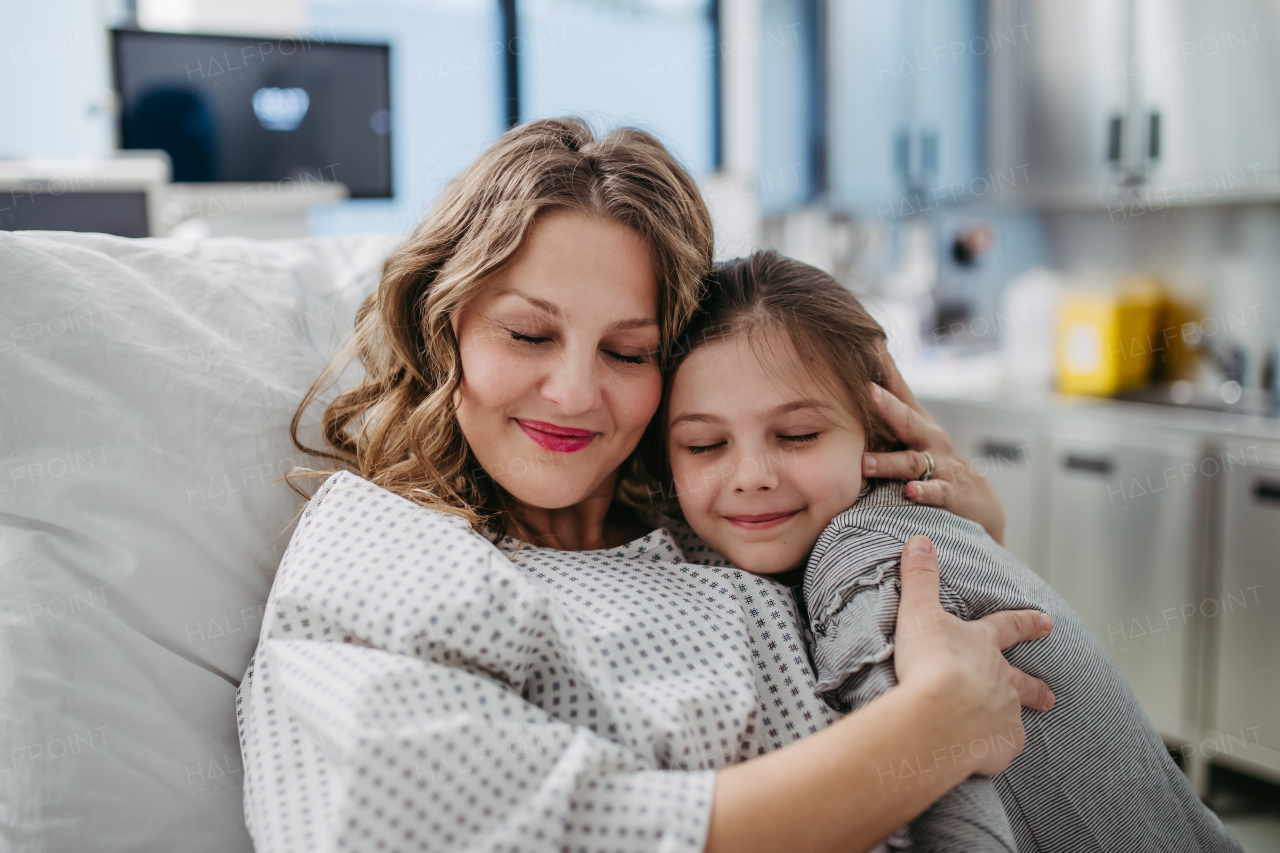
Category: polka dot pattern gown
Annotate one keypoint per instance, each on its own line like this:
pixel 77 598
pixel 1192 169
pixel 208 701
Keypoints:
pixel 416 687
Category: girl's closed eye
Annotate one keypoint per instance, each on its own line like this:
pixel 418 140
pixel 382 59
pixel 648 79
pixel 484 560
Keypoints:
pixel 528 339
pixel 809 436
pixel 696 449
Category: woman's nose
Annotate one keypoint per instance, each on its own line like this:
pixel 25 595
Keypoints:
pixel 573 383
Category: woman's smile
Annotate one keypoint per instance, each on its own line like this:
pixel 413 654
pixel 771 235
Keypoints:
pixel 558 439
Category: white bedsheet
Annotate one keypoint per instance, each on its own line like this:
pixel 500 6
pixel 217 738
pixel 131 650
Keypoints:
pixel 145 392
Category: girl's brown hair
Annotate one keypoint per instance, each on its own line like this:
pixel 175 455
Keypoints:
pixel 770 298
pixel 398 427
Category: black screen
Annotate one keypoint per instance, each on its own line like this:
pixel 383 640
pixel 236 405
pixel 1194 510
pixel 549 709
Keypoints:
pixel 230 108
pixel 121 213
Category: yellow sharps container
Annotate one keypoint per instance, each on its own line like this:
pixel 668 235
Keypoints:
pixel 1108 337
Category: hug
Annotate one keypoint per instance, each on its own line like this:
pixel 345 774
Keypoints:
pixel 594 654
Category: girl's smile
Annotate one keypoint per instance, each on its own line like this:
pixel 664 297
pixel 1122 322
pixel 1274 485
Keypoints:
pixel 766 521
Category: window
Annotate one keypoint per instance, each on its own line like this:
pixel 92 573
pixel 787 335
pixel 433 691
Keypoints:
pixel 646 63
pixel 791 153
pixel 446 84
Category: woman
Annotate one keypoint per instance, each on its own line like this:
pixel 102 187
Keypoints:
pixel 573 678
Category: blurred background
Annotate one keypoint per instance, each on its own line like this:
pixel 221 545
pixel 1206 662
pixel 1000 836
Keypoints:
pixel 1066 214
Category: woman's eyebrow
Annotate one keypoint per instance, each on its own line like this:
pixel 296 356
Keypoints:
pixel 556 311
pixel 633 323
pixel 541 304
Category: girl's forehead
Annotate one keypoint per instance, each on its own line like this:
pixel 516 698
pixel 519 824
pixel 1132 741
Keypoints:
pixel 748 371
pixel 750 364
pixel 751 355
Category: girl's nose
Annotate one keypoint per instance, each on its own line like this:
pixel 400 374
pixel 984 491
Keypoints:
pixel 754 471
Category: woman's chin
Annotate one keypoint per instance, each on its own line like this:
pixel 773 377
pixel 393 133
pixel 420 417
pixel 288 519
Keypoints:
pixel 549 490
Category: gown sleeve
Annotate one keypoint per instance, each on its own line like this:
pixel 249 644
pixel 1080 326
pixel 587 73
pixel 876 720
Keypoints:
pixel 390 703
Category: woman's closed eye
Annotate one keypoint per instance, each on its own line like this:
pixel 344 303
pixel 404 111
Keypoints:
pixel 620 357
pixel 796 439
pixel 527 339
pixel 628 359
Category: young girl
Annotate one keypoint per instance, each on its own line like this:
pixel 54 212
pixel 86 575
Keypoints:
pixel 768 410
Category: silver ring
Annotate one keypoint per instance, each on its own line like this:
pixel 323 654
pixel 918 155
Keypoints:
pixel 928 471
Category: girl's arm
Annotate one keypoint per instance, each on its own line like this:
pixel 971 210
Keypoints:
pixel 849 786
pixel 955 485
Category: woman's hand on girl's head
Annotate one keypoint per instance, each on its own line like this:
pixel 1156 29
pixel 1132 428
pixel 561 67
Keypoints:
pixel 961 663
pixel 955 486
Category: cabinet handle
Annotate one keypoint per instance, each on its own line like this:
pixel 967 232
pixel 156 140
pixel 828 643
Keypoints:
pixel 1267 491
pixel 1153 136
pixel 1011 453
pixel 1091 464
pixel 1115 130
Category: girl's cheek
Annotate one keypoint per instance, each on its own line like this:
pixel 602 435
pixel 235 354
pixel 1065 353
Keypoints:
pixel 688 476
pixel 831 481
pixel 813 475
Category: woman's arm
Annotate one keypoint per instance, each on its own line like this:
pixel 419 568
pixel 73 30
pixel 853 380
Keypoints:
pixel 849 786
pixel 347 747
pixel 955 485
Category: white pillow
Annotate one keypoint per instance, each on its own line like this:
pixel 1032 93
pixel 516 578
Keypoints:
pixel 146 388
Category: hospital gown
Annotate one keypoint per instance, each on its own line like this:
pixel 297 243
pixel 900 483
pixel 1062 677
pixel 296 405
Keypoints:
pixel 416 687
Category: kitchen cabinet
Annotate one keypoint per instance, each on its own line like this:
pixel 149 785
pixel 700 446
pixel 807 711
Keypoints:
pixel 1138 104
pixel 1205 74
pixel 1242 610
pixel 1055 95
pixel 1127 537
pixel 905 103
pixel 1161 527
pixel 1011 449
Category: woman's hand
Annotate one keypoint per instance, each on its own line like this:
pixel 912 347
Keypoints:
pixel 955 486
pixel 982 691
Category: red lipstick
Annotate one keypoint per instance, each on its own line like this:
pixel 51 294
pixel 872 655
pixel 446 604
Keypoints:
pixel 761 522
pixel 558 439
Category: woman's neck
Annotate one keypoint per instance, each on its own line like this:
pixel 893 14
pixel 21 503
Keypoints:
pixel 589 525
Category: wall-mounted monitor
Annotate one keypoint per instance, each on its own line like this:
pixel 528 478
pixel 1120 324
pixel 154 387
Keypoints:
pixel 242 109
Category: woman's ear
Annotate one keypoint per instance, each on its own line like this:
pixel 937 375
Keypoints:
pixel 454 320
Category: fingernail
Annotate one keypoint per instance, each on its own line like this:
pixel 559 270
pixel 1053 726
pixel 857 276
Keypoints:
pixel 917 546
pixel 1046 622
pixel 1052 699
pixel 876 391
pixel 869 464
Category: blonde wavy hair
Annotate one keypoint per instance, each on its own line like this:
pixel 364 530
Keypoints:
pixel 398 427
